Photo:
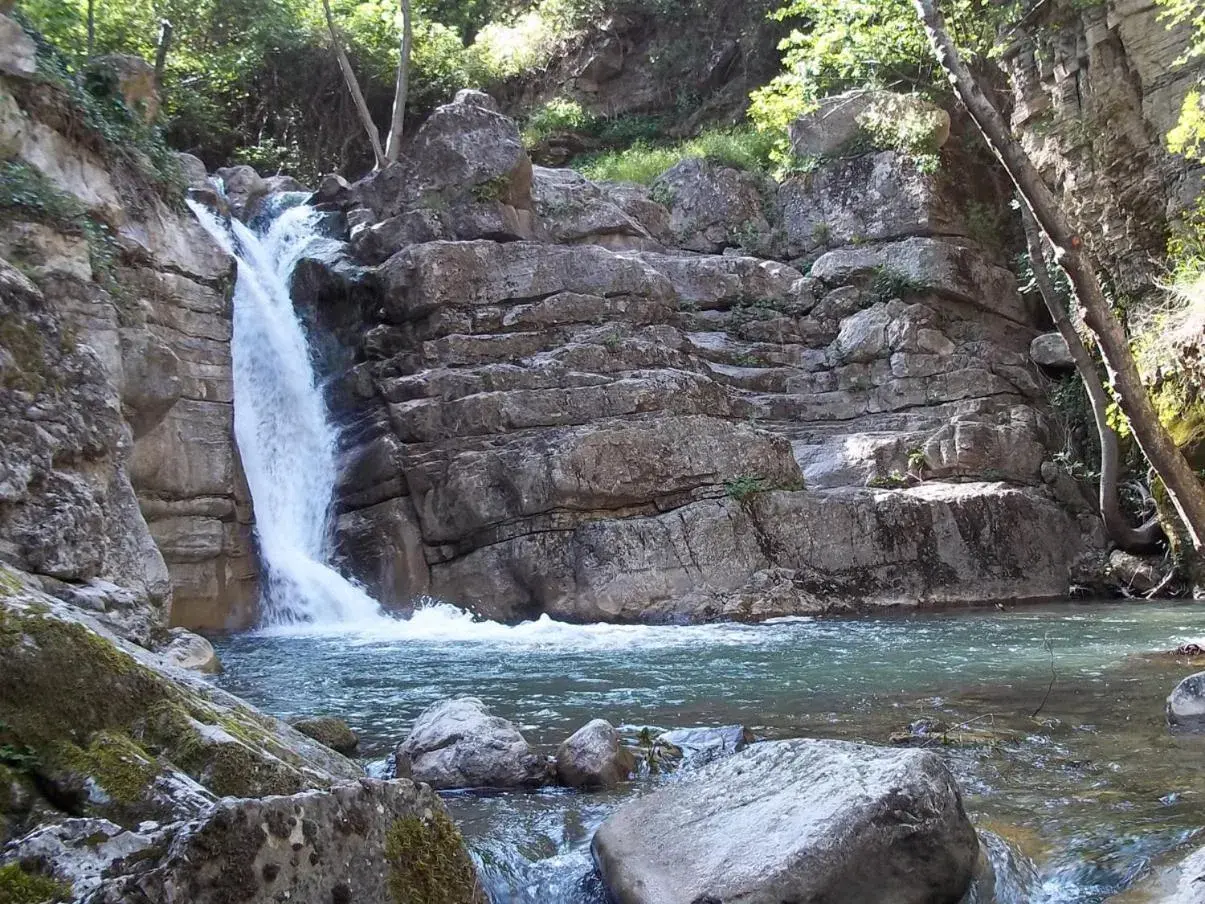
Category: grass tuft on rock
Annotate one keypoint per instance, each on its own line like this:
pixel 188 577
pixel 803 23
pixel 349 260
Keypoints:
pixel 741 148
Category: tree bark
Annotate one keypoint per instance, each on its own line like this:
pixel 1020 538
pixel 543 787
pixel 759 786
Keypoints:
pixel 1183 488
pixel 397 122
pixel 161 48
pixel 91 27
pixel 1116 525
pixel 354 87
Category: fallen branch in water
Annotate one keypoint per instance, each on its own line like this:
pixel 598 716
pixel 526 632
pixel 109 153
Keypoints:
pixel 1049 645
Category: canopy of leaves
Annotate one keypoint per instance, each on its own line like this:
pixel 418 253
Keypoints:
pixel 843 44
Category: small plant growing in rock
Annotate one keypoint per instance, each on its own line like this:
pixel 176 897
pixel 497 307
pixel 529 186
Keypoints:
pixel 821 233
pixel 893 481
pixel 612 341
pixel 741 488
pixel 918 462
pixel 887 283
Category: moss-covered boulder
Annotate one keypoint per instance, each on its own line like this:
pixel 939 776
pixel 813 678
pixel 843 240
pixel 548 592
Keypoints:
pixel 107 731
pixel 368 842
pixel 330 731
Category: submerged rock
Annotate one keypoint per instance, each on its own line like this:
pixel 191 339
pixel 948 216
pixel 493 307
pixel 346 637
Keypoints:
pixel 594 758
pixel 1186 704
pixel 458 744
pixel 331 731
pixel 701 745
pixel 795 820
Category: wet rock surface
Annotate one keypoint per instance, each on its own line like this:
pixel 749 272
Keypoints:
pixel 459 744
pixel 795 820
pixel 594 758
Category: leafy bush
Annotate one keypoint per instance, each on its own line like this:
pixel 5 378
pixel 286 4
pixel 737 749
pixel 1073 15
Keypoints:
pixel 557 115
pixel 643 162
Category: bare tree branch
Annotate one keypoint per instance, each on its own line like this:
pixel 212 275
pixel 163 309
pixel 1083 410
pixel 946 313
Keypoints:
pixel 354 87
pixel 397 123
pixel 1116 525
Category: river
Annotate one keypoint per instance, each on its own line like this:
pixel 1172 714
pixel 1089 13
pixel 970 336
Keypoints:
pixel 1077 803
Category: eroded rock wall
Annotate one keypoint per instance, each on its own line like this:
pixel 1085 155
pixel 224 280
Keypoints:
pixel 584 418
pixel 119 462
pixel 1097 88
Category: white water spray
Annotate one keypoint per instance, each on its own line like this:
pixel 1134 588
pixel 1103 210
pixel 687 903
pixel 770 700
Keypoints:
pixel 287 443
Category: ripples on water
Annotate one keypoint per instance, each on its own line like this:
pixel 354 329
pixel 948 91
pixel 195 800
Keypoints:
pixel 1075 804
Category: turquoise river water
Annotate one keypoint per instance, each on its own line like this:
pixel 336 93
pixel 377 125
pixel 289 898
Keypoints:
pixel 1083 802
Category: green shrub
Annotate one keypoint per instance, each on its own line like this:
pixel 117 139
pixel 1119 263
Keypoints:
pixel 557 115
pixel 743 148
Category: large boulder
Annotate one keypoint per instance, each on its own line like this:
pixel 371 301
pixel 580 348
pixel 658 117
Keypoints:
pixel 713 206
pixel 18 53
pixel 795 821
pixel 574 210
pixel 458 744
pixel 465 170
pixel 1050 350
pixel 594 758
pixel 1186 704
pixel 367 841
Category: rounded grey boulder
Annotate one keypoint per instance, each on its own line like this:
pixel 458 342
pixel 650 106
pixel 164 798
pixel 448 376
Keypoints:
pixel 593 758
pixel 795 820
pixel 457 743
pixel 1186 704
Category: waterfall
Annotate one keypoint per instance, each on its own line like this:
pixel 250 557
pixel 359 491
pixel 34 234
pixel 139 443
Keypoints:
pixel 281 424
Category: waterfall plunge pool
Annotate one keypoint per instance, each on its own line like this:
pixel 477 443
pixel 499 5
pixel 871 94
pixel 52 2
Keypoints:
pixel 1077 804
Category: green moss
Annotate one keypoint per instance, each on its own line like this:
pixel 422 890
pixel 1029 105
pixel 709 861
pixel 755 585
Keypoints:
pixel 20 887
pixel 114 761
pixel 495 189
pixel 428 863
pixel 10 584
pixel 23 341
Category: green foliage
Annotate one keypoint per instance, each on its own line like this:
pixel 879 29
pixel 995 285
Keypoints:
pixel 845 44
pixel 1073 414
pixel 741 488
pixel 893 481
pixel 643 162
pixel 20 887
pixel 887 283
pixel 557 115
pixel 1188 137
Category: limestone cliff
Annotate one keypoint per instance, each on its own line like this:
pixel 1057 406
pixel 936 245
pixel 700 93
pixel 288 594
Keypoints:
pixel 1097 88
pixel 118 464
pixel 553 405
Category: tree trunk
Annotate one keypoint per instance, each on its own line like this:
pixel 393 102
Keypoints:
pixel 1185 491
pixel 91 27
pixel 354 87
pixel 161 48
pixel 1116 525
pixel 397 122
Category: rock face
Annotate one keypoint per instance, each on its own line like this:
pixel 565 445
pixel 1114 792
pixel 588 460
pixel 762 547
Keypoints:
pixel 119 463
pixel 458 744
pixel 116 794
pixel 1097 88
pixel 593 758
pixel 1186 704
pixel 795 820
pixel 576 425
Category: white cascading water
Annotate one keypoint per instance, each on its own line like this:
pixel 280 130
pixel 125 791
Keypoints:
pixel 285 438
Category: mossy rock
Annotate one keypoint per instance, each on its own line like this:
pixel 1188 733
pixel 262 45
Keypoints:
pixel 81 702
pixel 330 731
pixel 428 863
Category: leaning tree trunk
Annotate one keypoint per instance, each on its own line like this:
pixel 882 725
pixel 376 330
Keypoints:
pixel 1117 526
pixel 1183 488
pixel 162 46
pixel 354 87
pixel 397 123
